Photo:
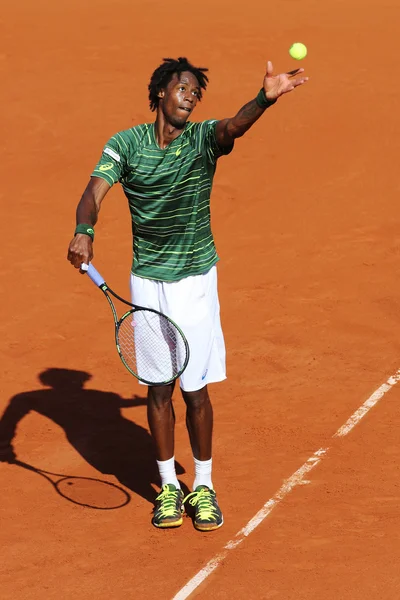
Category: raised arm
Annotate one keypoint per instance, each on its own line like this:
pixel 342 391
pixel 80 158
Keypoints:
pixel 81 246
pixel 274 86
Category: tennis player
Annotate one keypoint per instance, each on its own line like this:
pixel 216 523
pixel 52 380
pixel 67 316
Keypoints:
pixel 166 170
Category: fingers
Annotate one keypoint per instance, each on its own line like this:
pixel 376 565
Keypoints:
pixel 270 69
pixel 299 81
pixel 293 84
pixel 288 73
pixel 77 258
pixel 295 72
pixel 80 251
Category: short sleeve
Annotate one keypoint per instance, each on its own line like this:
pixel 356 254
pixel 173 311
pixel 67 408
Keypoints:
pixel 113 160
pixel 208 141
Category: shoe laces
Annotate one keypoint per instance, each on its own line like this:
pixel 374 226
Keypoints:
pixel 204 502
pixel 168 499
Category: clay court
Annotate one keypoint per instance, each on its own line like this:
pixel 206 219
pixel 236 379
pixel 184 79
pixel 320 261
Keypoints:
pixel 307 225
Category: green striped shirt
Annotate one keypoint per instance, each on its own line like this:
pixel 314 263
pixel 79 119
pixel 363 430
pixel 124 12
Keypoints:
pixel 169 197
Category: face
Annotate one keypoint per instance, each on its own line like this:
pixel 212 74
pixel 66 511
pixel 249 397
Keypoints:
pixel 179 98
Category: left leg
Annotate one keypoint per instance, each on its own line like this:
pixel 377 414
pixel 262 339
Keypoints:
pixel 199 422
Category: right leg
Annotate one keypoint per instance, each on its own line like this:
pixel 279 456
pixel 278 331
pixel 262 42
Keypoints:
pixel 161 418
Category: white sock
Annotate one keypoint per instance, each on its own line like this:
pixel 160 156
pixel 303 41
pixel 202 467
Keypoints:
pixel 167 472
pixel 202 473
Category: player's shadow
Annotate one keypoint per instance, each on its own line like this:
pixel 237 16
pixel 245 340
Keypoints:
pixel 94 426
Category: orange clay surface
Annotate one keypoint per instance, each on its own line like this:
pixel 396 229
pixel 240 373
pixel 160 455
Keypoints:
pixel 307 224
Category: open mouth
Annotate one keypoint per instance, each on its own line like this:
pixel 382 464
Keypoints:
pixel 188 110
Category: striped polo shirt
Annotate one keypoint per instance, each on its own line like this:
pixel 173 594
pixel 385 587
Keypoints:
pixel 168 191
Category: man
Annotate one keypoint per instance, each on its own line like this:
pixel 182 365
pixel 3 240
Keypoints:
pixel 166 169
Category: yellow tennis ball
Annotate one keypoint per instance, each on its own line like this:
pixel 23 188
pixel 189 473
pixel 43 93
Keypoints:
pixel 298 51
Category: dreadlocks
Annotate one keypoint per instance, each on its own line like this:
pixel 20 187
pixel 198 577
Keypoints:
pixel 164 73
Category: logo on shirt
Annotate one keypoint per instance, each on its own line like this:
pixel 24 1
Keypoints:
pixel 179 150
pixel 106 167
pixel 111 153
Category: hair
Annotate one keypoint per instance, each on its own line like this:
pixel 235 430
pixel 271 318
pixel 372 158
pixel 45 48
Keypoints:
pixel 164 73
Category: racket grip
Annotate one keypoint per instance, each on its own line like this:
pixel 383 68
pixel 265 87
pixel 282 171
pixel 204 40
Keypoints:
pixel 93 274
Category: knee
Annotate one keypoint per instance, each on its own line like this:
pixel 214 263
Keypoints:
pixel 159 395
pixel 196 400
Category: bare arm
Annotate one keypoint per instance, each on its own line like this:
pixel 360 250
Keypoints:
pixel 81 246
pixel 228 130
pixel 274 86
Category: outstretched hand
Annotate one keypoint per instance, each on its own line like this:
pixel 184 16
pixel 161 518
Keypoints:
pixel 277 85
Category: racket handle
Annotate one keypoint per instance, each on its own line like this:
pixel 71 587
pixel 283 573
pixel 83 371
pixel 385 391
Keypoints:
pixel 93 274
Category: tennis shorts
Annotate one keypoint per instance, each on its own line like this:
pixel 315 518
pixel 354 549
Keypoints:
pixel 193 304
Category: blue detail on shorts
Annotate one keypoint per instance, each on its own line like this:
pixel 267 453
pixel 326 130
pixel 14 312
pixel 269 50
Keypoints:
pixel 205 375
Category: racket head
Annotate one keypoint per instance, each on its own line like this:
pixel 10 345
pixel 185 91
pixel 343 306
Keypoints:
pixel 152 347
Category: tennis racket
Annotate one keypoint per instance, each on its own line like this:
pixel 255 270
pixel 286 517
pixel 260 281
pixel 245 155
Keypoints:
pixel 151 346
pixel 85 491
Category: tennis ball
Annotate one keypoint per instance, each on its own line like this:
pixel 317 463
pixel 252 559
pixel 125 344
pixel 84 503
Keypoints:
pixel 298 51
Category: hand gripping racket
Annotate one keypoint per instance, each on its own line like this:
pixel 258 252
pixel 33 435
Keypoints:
pixel 151 346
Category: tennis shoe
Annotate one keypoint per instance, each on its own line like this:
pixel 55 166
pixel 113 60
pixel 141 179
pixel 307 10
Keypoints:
pixel 168 509
pixel 208 515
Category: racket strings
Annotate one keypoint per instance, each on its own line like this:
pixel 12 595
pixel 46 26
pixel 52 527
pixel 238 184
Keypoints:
pixel 151 346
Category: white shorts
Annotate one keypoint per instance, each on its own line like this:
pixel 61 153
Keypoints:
pixel 193 304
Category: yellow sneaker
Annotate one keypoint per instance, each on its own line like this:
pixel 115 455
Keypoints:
pixel 208 515
pixel 168 509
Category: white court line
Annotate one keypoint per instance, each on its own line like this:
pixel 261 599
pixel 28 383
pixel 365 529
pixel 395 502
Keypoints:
pixel 296 479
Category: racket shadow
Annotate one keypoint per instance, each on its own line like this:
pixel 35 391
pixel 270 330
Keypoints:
pixel 94 426
pixel 89 492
